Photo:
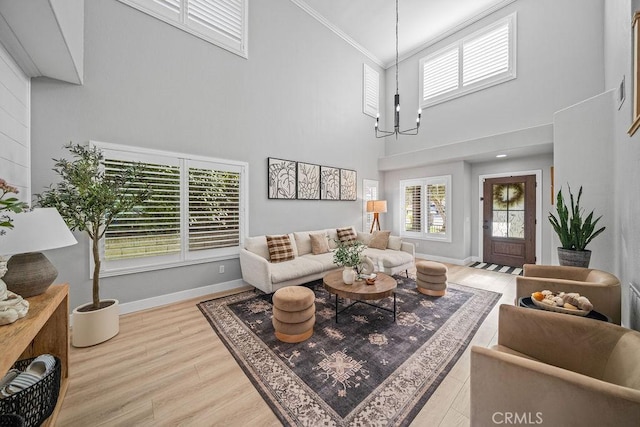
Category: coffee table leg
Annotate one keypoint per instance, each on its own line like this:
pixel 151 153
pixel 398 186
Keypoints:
pixel 336 308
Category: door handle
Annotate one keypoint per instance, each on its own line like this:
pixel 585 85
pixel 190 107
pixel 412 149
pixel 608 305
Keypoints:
pixel 486 227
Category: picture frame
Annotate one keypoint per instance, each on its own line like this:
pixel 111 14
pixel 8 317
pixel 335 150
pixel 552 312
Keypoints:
pixel 308 181
pixel 281 179
pixel 329 183
pixel 636 75
pixel 348 184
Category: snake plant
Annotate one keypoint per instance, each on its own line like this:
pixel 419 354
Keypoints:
pixel 574 232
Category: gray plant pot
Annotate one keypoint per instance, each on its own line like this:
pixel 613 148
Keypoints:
pixel 574 258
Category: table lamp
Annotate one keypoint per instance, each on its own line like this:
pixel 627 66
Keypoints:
pixel 377 207
pixel 29 272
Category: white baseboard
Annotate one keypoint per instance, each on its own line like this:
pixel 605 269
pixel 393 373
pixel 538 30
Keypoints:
pixel 160 300
pixel 456 261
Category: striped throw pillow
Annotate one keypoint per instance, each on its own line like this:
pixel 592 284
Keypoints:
pixel 346 235
pixel 280 248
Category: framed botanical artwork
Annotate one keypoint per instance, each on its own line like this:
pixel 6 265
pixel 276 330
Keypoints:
pixel 308 181
pixel 329 183
pixel 348 185
pixel 281 176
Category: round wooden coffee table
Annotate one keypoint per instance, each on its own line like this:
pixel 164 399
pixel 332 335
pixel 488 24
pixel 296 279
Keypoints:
pixel 360 292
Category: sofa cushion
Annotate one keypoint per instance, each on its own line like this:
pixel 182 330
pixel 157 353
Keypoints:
pixel 395 243
pixel 379 239
pixel 325 259
pixel 622 364
pixel 280 248
pixel 319 243
pixel 303 241
pixel 258 246
pixel 365 238
pixel 294 269
pixel 346 235
pixel 333 238
pixel 388 259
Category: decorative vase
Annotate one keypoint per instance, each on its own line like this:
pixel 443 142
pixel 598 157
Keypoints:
pixel 95 326
pixel 348 275
pixel 574 258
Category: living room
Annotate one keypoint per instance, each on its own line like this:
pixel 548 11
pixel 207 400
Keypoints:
pixel 298 96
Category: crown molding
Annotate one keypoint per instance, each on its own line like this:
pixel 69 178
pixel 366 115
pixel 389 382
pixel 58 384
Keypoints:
pixel 321 19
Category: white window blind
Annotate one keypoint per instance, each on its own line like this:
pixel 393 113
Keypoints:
pixel 440 73
pixel 196 212
pixel 425 203
pixel 483 59
pixel 370 91
pixel 486 56
pixel 221 22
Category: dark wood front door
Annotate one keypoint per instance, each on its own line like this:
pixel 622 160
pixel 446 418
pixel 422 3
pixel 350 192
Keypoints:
pixel 509 220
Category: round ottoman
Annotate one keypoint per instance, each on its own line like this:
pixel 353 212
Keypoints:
pixel 431 278
pixel 294 313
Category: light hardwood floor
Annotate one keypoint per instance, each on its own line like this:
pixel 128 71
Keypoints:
pixel 167 367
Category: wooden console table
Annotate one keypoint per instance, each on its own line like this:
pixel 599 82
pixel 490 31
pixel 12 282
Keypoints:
pixel 45 329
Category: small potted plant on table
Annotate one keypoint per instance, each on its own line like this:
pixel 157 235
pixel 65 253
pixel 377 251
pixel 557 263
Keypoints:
pixel 349 256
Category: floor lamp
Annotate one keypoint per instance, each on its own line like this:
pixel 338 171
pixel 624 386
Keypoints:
pixel 377 207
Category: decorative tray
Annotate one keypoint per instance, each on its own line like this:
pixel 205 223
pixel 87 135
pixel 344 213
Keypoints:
pixel 558 309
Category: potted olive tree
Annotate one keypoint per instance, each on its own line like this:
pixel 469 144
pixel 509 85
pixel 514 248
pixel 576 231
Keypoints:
pixel 574 231
pixel 89 200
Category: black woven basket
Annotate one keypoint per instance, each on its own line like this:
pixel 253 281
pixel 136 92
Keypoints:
pixel 36 403
pixel 11 420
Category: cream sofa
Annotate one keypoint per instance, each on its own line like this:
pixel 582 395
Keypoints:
pixel 258 271
pixel 558 370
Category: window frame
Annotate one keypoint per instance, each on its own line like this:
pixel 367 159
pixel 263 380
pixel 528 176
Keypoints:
pixel 183 258
pixel 181 21
pixel 461 90
pixel 424 234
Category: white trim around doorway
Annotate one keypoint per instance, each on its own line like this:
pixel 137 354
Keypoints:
pixel 538 174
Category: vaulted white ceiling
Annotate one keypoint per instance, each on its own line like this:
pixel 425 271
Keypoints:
pixel 370 24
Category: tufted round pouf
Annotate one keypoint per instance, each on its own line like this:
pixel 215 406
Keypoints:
pixel 294 313
pixel 431 278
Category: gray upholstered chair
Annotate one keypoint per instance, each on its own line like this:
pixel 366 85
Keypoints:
pixel 556 369
pixel 602 288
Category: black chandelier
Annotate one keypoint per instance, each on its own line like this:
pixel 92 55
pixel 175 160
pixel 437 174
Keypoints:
pixel 396 120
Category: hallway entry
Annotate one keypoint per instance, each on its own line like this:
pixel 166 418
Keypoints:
pixel 509 220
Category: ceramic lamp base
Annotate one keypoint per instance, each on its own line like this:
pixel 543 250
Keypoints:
pixel 29 274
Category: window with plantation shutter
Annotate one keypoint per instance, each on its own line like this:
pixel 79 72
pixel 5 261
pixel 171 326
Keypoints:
pixel 221 22
pixel 483 59
pixel 370 91
pixel 425 203
pixel 196 211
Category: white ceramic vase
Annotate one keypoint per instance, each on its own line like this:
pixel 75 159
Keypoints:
pixel 93 327
pixel 349 275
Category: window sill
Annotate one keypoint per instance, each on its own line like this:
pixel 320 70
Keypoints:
pixel 145 268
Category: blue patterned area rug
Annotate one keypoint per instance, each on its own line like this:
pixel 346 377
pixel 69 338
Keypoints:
pixel 364 370
pixel 516 271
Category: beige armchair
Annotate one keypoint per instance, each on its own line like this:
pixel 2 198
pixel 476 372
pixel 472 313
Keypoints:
pixel 558 370
pixel 602 288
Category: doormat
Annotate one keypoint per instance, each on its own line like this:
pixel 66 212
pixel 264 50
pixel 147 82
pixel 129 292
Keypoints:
pixel 364 370
pixel 516 271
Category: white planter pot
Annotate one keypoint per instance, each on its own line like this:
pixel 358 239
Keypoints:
pixel 93 327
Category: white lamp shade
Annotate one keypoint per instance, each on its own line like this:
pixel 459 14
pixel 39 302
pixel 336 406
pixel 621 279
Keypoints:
pixel 377 206
pixel 38 230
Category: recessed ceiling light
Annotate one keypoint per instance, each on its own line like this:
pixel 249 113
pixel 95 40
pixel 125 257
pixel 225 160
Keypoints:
pixel 501 156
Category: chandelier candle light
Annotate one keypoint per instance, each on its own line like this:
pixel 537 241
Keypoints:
pixel 396 119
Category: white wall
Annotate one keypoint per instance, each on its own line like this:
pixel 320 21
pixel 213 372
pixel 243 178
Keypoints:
pixel 559 63
pixel 625 173
pixel 15 112
pixel 148 84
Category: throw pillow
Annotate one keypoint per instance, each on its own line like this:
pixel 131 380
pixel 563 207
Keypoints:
pixel 395 243
pixel 379 240
pixel 365 238
pixel 280 248
pixel 346 235
pixel 319 243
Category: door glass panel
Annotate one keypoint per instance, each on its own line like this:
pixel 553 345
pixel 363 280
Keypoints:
pixel 508 210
